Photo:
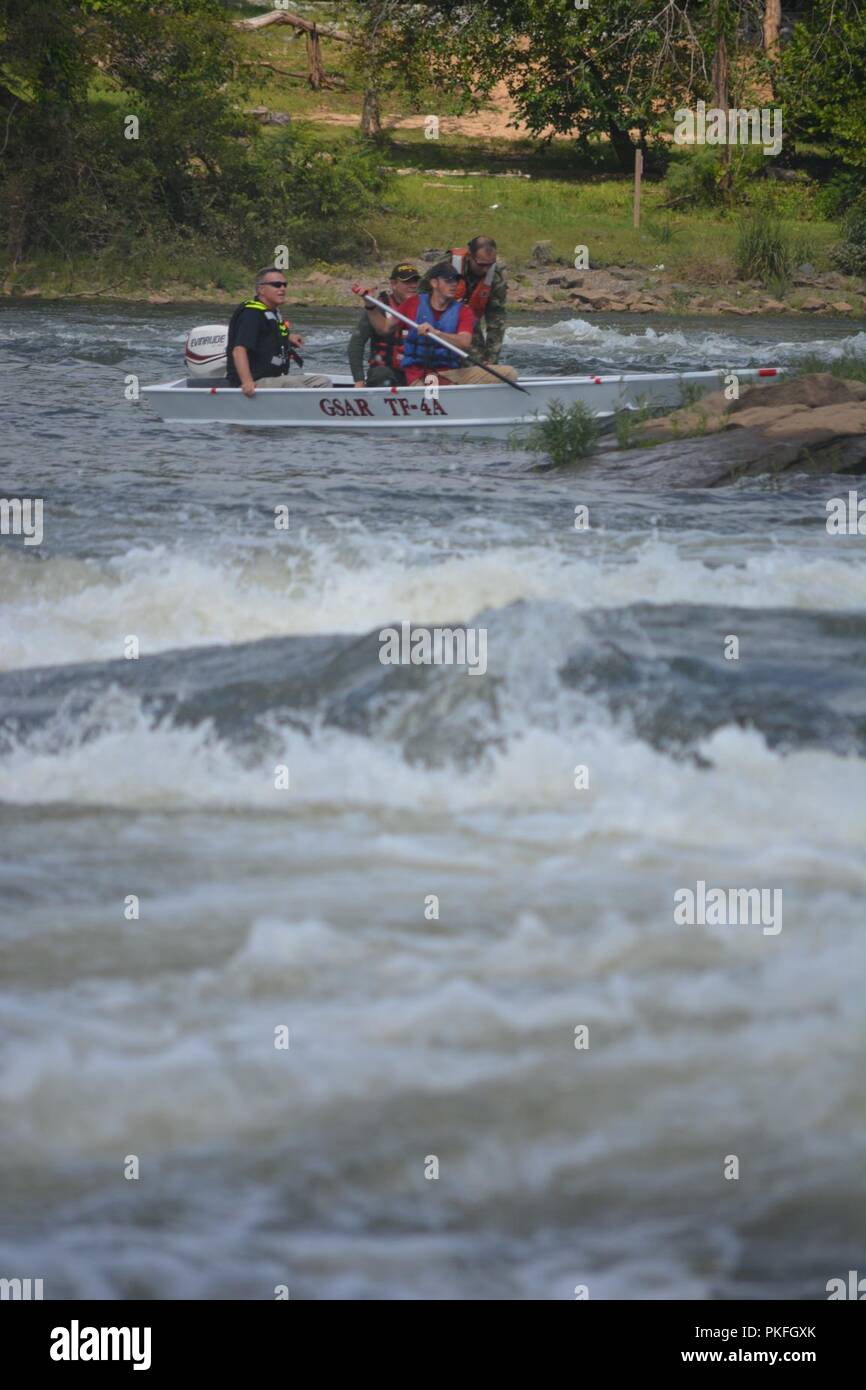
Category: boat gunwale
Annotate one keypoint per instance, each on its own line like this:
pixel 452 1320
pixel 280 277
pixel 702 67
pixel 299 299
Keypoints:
pixel 767 373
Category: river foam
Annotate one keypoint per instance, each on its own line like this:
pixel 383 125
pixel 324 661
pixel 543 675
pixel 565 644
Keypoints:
pixel 69 610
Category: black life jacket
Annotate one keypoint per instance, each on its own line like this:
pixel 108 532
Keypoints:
pixel 386 349
pixel 273 350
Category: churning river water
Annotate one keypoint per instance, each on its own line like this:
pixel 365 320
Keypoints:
pixel 173 914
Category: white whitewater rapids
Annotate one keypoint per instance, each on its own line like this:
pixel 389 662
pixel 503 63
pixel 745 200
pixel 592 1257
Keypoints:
pixel 205 397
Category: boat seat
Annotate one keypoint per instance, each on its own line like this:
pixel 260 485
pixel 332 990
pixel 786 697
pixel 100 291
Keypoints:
pixel 208 381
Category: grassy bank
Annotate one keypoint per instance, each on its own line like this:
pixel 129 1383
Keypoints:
pixel 442 191
pixel 689 259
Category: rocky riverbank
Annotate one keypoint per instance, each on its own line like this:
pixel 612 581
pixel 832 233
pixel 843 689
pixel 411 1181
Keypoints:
pixel 810 424
pixel 617 289
pixel 541 284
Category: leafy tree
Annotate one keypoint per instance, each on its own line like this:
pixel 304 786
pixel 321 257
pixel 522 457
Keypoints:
pixel 606 69
pixel 822 78
pixel 71 77
pixel 44 58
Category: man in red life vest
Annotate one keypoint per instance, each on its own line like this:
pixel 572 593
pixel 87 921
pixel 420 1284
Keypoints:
pixel 441 312
pixel 386 349
pixel 484 290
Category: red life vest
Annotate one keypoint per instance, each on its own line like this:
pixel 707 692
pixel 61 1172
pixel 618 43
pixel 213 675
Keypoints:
pixel 477 300
pixel 386 349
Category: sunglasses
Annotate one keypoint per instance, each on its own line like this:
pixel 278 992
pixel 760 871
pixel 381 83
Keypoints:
pixel 274 284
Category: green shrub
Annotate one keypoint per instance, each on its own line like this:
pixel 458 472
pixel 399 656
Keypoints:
pixel 763 249
pixel 839 192
pixel 568 433
pixel 850 254
pixel 690 393
pixel 702 179
pixel 321 192
pixel 626 422
pixel 695 179
pixel 661 231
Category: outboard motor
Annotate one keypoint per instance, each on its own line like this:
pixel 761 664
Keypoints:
pixel 205 350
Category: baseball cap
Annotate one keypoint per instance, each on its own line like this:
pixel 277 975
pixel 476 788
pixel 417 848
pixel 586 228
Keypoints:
pixel 405 272
pixel 444 271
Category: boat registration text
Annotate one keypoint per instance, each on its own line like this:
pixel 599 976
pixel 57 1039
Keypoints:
pixel 398 406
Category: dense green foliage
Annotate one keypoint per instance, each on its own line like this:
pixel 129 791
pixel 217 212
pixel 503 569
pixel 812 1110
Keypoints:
pixel 198 174
pixel 600 69
pixel 850 254
pixel 123 130
pixel 822 78
pixel 622 69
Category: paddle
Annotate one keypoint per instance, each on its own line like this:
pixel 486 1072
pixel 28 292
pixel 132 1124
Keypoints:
pixel 389 309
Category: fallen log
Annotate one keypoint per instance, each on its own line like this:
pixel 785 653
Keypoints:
pixel 333 80
pixel 295 20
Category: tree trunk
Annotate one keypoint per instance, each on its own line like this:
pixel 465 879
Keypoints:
pixel 371 119
pixel 720 98
pixel 771 24
pixel 314 60
pixel 720 74
pixel 623 147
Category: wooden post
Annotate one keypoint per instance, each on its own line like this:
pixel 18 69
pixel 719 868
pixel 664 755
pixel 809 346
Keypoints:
pixel 638 170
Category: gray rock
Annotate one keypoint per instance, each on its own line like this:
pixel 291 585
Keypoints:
pixel 715 460
pixel 433 256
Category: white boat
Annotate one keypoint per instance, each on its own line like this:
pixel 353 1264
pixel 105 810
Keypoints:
pixel 488 410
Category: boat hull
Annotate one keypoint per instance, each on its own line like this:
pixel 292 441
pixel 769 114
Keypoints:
pixel 485 409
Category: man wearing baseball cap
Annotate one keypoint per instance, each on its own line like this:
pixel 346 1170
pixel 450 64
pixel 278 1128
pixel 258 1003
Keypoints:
pixel 485 290
pixel 386 343
pixel 441 311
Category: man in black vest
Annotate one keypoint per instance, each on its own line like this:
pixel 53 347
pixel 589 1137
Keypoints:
pixel 260 346
pixel 386 349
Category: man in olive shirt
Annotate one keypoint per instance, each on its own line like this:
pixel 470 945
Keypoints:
pixel 260 345
pixel 386 349
pixel 485 290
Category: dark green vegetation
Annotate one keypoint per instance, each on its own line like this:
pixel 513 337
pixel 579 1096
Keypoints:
pixel 126 142
pixel 567 434
pixel 763 249
pixel 197 191
pixel 850 254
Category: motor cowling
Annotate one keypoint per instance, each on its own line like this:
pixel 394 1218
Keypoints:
pixel 205 350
